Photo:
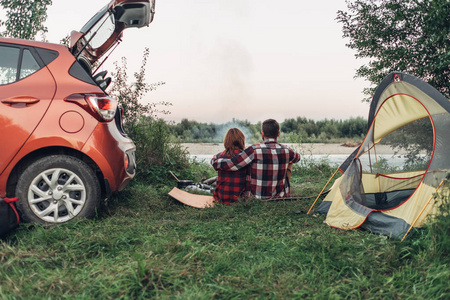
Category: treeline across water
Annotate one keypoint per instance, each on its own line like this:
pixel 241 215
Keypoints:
pixel 294 130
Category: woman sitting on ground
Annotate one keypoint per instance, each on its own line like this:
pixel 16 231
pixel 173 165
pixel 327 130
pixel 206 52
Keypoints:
pixel 231 184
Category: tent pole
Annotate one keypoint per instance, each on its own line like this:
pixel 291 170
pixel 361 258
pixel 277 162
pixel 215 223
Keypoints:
pixel 423 209
pixel 322 191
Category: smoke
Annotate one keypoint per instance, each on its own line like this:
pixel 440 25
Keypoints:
pixel 231 64
pixel 221 130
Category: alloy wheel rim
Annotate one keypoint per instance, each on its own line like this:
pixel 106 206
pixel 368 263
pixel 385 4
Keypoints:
pixel 57 195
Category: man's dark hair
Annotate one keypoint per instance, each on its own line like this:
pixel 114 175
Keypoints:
pixel 270 128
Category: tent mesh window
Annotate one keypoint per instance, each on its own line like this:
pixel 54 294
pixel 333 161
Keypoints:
pixel 390 179
pixel 412 146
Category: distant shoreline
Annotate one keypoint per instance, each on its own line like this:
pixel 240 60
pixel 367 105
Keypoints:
pixel 304 149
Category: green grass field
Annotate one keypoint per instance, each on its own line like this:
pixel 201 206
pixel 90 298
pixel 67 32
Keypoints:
pixel 143 244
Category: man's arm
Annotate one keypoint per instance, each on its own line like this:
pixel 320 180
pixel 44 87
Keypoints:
pixel 294 157
pixel 289 171
pixel 236 163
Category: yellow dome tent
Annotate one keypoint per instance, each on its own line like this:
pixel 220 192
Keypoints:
pixel 375 194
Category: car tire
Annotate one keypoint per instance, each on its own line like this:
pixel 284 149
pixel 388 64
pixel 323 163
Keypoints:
pixel 56 189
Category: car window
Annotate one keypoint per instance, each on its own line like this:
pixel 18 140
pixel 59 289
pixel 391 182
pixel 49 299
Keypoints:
pixel 29 64
pixel 9 61
pixel 16 63
pixel 102 31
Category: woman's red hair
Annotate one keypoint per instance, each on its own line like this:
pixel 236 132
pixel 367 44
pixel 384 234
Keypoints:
pixel 234 140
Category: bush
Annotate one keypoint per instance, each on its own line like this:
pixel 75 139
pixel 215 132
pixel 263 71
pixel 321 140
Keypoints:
pixel 155 154
pixel 439 228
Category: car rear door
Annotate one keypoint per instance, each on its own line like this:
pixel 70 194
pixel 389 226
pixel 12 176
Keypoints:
pixel 104 30
pixel 26 90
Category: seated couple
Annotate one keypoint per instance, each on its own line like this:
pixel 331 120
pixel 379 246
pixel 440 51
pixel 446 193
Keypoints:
pixel 259 171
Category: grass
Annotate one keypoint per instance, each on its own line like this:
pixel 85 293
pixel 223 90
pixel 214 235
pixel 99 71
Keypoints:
pixel 143 244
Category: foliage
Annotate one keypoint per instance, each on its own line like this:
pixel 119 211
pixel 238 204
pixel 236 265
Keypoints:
pixel 130 95
pixel 155 153
pixel 157 156
pixel 323 130
pixel 188 131
pixel 384 166
pixel 400 35
pixel 436 238
pixel 145 245
pixel 292 130
pixel 309 175
pixel 25 18
pixel 440 227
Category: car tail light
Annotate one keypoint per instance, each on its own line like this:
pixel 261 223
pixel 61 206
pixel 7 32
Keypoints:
pixel 105 106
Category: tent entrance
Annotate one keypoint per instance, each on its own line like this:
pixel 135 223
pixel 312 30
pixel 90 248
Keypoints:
pixel 392 167
pixel 387 200
pixel 373 191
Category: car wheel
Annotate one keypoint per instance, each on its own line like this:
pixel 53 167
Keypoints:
pixel 57 189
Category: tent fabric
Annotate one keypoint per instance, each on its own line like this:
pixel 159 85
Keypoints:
pixel 396 112
pixel 380 223
pixel 389 203
pixel 412 80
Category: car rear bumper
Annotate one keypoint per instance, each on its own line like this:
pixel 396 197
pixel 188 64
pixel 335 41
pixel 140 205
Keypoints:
pixel 113 153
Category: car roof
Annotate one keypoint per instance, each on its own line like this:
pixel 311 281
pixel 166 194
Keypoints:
pixel 46 45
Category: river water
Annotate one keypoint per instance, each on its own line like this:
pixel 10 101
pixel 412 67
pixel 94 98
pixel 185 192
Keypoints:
pixel 333 154
pixel 331 159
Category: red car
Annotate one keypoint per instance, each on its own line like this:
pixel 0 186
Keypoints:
pixel 63 147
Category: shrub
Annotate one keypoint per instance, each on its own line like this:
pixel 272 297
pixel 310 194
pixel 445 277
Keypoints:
pixel 439 228
pixel 155 154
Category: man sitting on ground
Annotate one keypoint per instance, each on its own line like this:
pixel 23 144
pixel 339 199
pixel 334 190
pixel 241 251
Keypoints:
pixel 268 162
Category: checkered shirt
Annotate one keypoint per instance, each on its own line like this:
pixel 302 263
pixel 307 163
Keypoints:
pixel 268 167
pixel 230 185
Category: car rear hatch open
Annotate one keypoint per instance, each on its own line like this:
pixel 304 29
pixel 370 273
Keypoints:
pixel 104 30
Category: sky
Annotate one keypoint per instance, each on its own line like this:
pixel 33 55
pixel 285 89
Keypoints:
pixel 243 59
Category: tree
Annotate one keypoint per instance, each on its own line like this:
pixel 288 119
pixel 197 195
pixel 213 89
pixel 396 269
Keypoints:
pixel 25 18
pixel 411 36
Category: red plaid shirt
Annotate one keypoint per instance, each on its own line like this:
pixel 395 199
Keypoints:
pixel 230 185
pixel 268 167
